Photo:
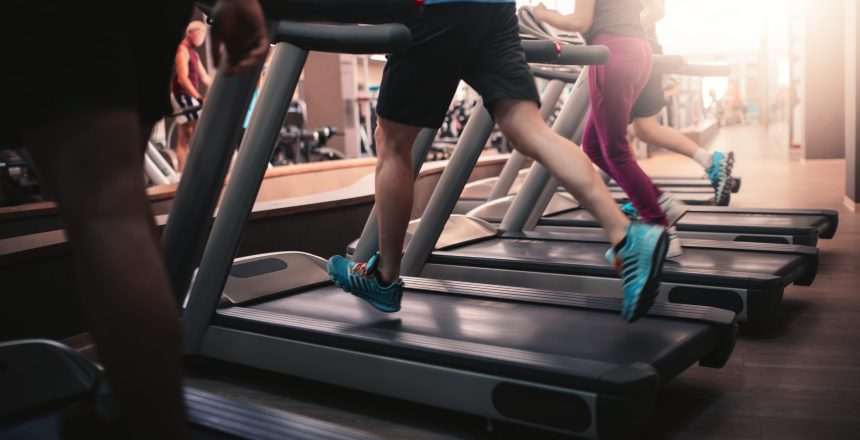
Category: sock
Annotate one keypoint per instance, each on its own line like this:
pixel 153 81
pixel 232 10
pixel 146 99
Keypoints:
pixel 704 158
pixel 617 248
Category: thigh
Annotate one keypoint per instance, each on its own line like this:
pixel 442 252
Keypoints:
pixel 613 87
pixel 498 69
pixel 418 83
pixel 92 162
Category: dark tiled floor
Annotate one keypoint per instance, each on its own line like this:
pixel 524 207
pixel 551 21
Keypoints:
pixel 796 378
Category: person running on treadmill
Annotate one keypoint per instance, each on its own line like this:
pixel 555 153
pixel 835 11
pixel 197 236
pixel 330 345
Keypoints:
pixel 478 41
pixel 612 89
pixel 185 95
pixel 717 165
pixel 87 134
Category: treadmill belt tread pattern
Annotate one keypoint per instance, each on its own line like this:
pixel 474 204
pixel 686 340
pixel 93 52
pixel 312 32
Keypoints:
pixel 729 267
pixel 420 331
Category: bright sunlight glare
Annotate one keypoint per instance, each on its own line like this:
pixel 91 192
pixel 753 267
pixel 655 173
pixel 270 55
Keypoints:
pixel 708 27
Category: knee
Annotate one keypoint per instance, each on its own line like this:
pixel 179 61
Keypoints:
pixel 394 142
pixel 620 155
pixel 393 134
pixel 529 140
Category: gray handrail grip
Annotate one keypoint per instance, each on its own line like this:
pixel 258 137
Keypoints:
pixel 553 52
pixel 583 55
pixel 665 64
pixel 705 70
pixel 382 38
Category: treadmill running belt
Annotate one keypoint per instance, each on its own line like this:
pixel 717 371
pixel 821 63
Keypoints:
pixel 548 343
pixel 718 267
pixel 752 220
pixel 716 221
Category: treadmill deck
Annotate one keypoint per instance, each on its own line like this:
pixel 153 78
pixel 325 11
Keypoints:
pixel 562 345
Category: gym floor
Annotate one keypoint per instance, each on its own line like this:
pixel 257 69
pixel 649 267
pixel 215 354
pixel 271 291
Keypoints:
pixel 796 378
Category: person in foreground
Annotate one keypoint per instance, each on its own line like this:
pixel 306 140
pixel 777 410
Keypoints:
pixel 478 41
pixel 612 89
pixel 87 134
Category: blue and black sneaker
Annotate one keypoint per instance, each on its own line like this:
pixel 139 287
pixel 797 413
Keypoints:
pixel 639 258
pixel 720 175
pixel 361 280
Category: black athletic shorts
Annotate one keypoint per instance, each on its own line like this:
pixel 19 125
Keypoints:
pixel 70 56
pixel 651 100
pixel 476 42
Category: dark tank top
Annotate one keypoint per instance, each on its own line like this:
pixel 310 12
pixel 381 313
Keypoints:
pixel 193 72
pixel 618 17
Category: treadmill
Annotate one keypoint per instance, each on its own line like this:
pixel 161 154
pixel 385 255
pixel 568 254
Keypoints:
pixel 745 278
pixel 559 361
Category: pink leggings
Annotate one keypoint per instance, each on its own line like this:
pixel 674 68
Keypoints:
pixel 613 88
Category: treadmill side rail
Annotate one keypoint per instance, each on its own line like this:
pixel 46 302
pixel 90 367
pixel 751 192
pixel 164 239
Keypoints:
pixel 456 389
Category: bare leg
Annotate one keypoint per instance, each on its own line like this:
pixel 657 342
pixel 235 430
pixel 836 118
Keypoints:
pixel 650 131
pixel 183 142
pixel 93 162
pixel 522 124
pixel 393 192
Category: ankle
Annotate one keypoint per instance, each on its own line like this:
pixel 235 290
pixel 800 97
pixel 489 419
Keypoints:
pixel 617 237
pixel 387 275
pixel 704 158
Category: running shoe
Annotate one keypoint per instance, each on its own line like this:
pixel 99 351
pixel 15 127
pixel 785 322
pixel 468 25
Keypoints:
pixel 720 174
pixel 639 261
pixel 361 279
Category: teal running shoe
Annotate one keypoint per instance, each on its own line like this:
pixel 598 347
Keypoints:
pixel 720 175
pixel 640 262
pixel 360 279
pixel 630 211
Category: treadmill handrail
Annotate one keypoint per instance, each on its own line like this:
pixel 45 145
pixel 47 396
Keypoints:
pixel 382 38
pixel 337 11
pixel 553 52
pixel 665 64
pixel 705 70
